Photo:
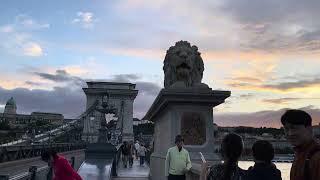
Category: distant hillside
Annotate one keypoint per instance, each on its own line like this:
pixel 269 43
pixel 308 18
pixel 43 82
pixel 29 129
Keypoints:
pixel 260 119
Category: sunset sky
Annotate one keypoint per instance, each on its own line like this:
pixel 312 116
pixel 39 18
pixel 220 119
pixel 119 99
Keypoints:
pixel 265 52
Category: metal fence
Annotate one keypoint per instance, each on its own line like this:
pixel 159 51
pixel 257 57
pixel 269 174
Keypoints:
pixel 35 173
pixel 11 153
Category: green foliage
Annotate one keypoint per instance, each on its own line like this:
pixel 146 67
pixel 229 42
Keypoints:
pixel 255 131
pixel 4 125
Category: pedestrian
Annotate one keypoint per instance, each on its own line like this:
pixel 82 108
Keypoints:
pixel 131 153
pixel 263 169
pixel 177 162
pixel 62 170
pixel 142 153
pixel 298 131
pixel 125 150
pixel 231 150
pixel 136 147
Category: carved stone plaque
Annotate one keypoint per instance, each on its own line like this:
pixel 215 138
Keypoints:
pixel 193 128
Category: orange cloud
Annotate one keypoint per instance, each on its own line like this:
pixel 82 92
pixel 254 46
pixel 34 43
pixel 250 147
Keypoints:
pixel 278 88
pixel 235 55
pixel 147 53
pixel 285 100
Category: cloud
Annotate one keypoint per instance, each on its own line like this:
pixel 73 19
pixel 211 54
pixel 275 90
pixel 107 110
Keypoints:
pixel 59 100
pixel 276 26
pixel 247 79
pixel 61 76
pixel 260 118
pixel 125 77
pixel 6 29
pixel 32 49
pixel 285 86
pixel 147 90
pixel 29 23
pixel 86 19
pixel 285 100
pixel 279 87
pixel 17 39
pixel 246 96
pixel 271 10
pixel 31 83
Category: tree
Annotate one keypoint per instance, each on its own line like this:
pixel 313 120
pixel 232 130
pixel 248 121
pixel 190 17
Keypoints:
pixel 4 125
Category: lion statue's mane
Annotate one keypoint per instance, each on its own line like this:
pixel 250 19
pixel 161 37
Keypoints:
pixel 183 64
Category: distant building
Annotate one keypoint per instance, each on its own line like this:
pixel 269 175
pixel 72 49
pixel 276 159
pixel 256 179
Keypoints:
pixel 136 121
pixel 11 107
pixel 14 119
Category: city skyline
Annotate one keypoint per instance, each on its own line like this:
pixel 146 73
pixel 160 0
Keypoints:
pixel 265 53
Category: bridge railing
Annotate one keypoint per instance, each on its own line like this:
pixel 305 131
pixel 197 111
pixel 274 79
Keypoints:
pixel 57 131
pixel 35 173
pixel 11 153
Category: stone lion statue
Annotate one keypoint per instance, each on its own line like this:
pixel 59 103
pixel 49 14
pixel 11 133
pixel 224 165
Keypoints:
pixel 183 66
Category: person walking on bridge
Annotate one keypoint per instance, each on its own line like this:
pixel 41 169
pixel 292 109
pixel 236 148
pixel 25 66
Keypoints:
pixel 125 151
pixel 62 170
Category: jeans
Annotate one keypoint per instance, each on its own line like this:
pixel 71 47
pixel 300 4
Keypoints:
pixel 130 160
pixel 125 160
pixel 176 177
pixel 142 160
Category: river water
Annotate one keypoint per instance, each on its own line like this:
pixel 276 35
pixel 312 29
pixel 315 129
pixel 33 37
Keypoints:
pixel 283 167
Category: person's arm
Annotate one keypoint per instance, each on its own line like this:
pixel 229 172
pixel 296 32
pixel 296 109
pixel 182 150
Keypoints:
pixel 167 164
pixel 69 170
pixel 279 174
pixel 188 162
pixel 204 171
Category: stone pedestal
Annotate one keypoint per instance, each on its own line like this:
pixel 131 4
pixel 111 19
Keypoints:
pixel 188 112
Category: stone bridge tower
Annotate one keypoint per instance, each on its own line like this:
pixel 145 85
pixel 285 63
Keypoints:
pixel 121 97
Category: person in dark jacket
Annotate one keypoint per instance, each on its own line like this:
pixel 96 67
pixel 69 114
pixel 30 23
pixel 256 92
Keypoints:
pixel 125 151
pixel 263 169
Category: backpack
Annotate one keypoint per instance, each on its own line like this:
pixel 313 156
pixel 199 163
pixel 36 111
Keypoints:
pixel 307 162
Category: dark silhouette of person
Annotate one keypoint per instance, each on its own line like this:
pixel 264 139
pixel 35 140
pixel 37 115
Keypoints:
pixel 231 150
pixel 263 169
pixel 298 131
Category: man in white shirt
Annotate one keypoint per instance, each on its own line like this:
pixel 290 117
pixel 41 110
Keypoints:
pixel 136 148
pixel 177 161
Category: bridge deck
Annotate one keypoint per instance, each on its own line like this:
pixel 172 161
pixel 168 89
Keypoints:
pixel 137 172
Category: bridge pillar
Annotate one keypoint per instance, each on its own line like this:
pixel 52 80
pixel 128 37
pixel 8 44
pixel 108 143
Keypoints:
pixel 184 106
pixel 121 97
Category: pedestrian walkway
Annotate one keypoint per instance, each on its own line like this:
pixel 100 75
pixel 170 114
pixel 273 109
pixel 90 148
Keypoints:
pixel 137 172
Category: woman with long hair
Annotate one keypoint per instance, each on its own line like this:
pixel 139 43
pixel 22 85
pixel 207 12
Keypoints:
pixel 231 150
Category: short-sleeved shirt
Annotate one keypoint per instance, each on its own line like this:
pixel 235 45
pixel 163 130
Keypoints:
pixel 216 173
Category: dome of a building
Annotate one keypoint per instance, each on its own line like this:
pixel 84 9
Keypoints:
pixel 11 102
pixel 11 107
